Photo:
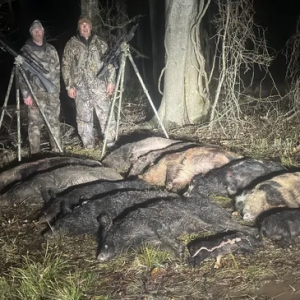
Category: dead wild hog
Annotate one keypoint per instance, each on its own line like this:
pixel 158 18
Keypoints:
pixel 24 170
pixel 177 169
pixel 57 180
pixel 162 223
pixel 234 177
pixel 281 225
pixel 156 175
pixel 280 191
pixel 122 158
pixel 64 202
pixel 221 244
pixel 84 219
pixel 152 157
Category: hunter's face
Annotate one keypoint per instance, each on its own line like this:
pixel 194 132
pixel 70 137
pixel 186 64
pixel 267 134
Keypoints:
pixel 37 35
pixel 85 29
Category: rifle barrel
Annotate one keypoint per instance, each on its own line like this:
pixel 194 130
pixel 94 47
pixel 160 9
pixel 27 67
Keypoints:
pixel 8 49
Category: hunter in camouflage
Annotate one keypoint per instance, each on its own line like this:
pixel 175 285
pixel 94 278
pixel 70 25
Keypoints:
pixel 80 65
pixel 43 54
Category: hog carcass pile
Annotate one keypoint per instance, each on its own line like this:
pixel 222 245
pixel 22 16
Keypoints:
pixel 156 190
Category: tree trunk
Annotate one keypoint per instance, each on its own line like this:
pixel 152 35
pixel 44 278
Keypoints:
pixel 156 14
pixel 181 103
pixel 90 8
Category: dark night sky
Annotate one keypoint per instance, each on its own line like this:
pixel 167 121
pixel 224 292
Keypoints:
pixel 279 18
pixel 59 17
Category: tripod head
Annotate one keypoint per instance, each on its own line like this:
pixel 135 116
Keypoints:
pixel 114 54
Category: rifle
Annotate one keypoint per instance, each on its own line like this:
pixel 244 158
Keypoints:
pixel 30 66
pixel 113 56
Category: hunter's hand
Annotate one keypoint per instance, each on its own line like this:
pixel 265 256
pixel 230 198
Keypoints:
pixel 110 89
pixel 28 101
pixel 72 93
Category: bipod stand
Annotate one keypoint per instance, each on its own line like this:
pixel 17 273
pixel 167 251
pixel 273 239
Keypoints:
pixel 119 92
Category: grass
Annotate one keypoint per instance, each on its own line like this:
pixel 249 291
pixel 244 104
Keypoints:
pixel 187 238
pixel 149 257
pixel 49 278
pixel 221 200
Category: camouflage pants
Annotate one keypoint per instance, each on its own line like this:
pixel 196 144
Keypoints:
pixel 88 102
pixel 50 106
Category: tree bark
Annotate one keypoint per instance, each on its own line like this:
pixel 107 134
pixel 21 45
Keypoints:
pixel 181 103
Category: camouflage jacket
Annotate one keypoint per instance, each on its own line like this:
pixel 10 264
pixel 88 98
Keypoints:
pixel 82 61
pixel 47 58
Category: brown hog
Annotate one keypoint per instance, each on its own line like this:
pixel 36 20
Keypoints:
pixel 156 175
pixel 280 191
pixel 176 170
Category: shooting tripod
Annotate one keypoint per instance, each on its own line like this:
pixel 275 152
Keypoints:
pixel 119 92
pixel 17 69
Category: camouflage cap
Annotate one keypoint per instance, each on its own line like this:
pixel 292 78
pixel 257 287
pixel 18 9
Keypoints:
pixel 84 19
pixel 36 24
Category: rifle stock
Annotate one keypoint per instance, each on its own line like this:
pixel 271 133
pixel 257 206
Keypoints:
pixel 26 65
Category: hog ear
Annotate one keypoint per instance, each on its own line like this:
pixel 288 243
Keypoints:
pixel 105 221
pixel 47 195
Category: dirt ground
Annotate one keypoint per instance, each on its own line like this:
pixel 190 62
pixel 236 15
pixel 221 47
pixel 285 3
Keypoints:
pixel 271 272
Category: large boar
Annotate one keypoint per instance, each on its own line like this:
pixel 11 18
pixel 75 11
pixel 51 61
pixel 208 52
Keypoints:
pixel 24 170
pixel 122 158
pixel 30 191
pixel 177 169
pixel 162 223
pixel 65 201
pixel 234 177
pixel 84 219
pixel 280 191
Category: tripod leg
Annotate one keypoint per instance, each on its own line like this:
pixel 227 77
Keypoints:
pixel 18 113
pixel 7 95
pixel 39 107
pixel 121 90
pixel 147 94
pixel 117 90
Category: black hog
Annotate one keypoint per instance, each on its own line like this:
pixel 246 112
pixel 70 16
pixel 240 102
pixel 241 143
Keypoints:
pixel 30 191
pixel 84 219
pixel 177 169
pixel 281 191
pixel 233 177
pixel 221 244
pixel 64 202
pixel 163 222
pixel 122 158
pixel 281 225
pixel 24 170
